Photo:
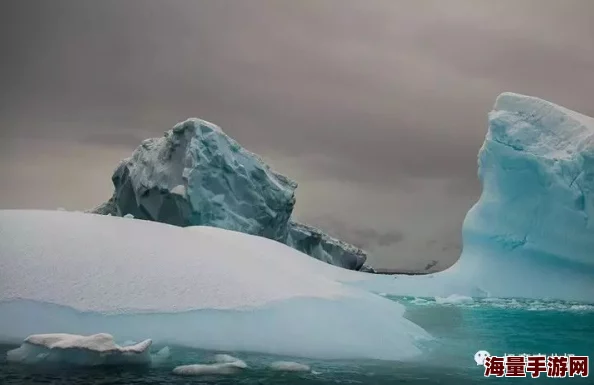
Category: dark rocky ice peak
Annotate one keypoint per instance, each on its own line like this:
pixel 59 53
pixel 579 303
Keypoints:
pixel 197 175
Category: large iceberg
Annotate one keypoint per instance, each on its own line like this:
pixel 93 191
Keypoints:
pixel 534 222
pixel 531 233
pixel 198 286
pixel 198 175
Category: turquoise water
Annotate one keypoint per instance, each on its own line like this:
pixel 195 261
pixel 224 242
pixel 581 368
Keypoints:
pixel 460 329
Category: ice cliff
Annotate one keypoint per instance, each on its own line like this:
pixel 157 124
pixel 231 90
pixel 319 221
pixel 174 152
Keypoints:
pixel 197 175
pixel 534 221
pixel 531 233
pixel 537 170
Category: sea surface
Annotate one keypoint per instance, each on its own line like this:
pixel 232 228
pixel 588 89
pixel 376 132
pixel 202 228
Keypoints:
pixel 461 327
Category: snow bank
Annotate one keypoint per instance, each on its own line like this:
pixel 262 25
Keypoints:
pixel 94 350
pixel 198 286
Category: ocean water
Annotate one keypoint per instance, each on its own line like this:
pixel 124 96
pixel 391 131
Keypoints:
pixel 461 326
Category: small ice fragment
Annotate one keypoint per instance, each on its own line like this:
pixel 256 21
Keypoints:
pixel 161 356
pixel 453 299
pixel 226 358
pixel 289 366
pixel 180 189
pixel 200 369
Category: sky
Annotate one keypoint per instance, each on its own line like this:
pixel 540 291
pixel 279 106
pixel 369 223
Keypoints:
pixel 376 108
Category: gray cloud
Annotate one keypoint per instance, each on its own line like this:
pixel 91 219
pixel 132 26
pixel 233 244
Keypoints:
pixel 363 237
pixel 377 108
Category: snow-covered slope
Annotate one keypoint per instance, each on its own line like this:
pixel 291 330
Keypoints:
pixel 198 175
pixel 78 273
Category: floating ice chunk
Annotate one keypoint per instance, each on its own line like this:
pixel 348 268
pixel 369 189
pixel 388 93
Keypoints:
pixel 582 307
pixel 219 368
pixel 180 189
pixel 289 366
pixel 453 299
pixel 94 350
pixel 161 357
pixel 128 216
pixel 225 358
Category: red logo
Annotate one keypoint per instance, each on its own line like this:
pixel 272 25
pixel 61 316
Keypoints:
pixel 553 366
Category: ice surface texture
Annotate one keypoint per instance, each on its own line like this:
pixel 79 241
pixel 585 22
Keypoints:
pixel 94 350
pixel 537 170
pixel 531 233
pixel 534 221
pixel 204 287
pixel 197 175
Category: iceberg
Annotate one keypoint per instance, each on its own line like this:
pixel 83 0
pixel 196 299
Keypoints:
pixel 224 364
pixel 531 233
pixel 202 369
pixel 94 350
pixel 289 366
pixel 198 286
pixel 197 175
pixel 534 222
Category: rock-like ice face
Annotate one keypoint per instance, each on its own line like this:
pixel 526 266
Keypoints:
pixel 319 245
pixel 198 286
pixel 197 175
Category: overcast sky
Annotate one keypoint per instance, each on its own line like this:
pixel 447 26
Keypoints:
pixel 376 108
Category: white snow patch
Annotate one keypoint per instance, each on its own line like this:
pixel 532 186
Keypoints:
pixel 453 299
pixel 202 369
pixel 93 350
pixel 200 287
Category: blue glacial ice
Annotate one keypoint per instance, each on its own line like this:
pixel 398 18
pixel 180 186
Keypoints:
pixel 534 222
pixel 197 175
pixel 531 233
pixel 201 287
